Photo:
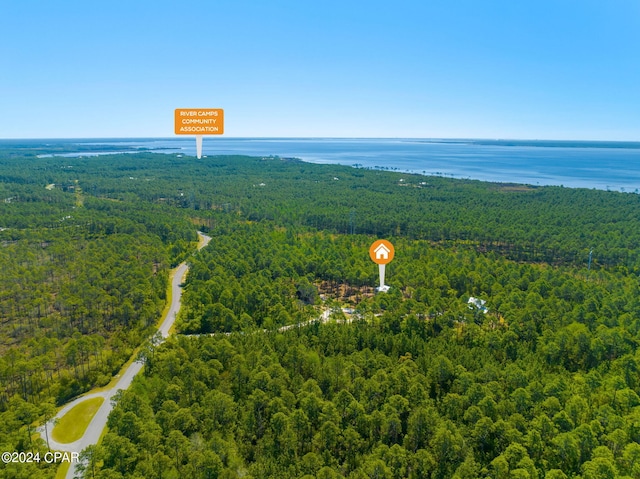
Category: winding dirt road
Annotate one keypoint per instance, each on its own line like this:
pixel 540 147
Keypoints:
pixel 99 421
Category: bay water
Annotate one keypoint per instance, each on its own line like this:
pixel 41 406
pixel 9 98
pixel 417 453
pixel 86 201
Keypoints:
pixel 600 165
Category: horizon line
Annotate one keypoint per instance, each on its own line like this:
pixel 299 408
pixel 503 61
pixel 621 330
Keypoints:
pixel 218 137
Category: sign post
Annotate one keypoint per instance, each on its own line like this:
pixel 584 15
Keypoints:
pixel 381 252
pixel 199 122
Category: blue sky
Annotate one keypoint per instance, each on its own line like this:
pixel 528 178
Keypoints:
pixel 561 69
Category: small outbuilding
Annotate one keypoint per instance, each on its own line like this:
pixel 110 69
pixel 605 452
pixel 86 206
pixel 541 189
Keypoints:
pixel 479 304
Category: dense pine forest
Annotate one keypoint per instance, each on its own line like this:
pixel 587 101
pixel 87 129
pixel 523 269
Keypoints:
pixel 413 383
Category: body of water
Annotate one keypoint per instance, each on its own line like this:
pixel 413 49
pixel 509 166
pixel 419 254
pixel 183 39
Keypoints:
pixel 600 165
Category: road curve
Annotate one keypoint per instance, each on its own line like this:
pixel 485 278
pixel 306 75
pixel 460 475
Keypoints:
pixel 99 421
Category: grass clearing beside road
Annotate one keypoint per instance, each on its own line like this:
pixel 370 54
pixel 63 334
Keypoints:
pixel 72 425
pixel 61 473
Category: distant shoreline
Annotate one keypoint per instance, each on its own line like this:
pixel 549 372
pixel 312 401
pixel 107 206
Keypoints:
pixel 609 166
pixel 542 143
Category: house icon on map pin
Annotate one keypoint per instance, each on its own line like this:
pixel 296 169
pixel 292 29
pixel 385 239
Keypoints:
pixel 382 252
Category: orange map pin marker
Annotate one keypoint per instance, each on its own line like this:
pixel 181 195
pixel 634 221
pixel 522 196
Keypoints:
pixel 199 121
pixel 381 252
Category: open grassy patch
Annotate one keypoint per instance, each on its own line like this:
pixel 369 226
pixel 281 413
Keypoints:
pixel 61 473
pixel 72 425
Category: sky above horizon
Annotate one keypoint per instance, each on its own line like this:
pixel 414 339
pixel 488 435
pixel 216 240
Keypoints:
pixel 561 69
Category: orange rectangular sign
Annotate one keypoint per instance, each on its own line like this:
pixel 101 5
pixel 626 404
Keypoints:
pixel 199 121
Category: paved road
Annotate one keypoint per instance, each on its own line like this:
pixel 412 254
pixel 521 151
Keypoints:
pixel 99 421
pixel 324 317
